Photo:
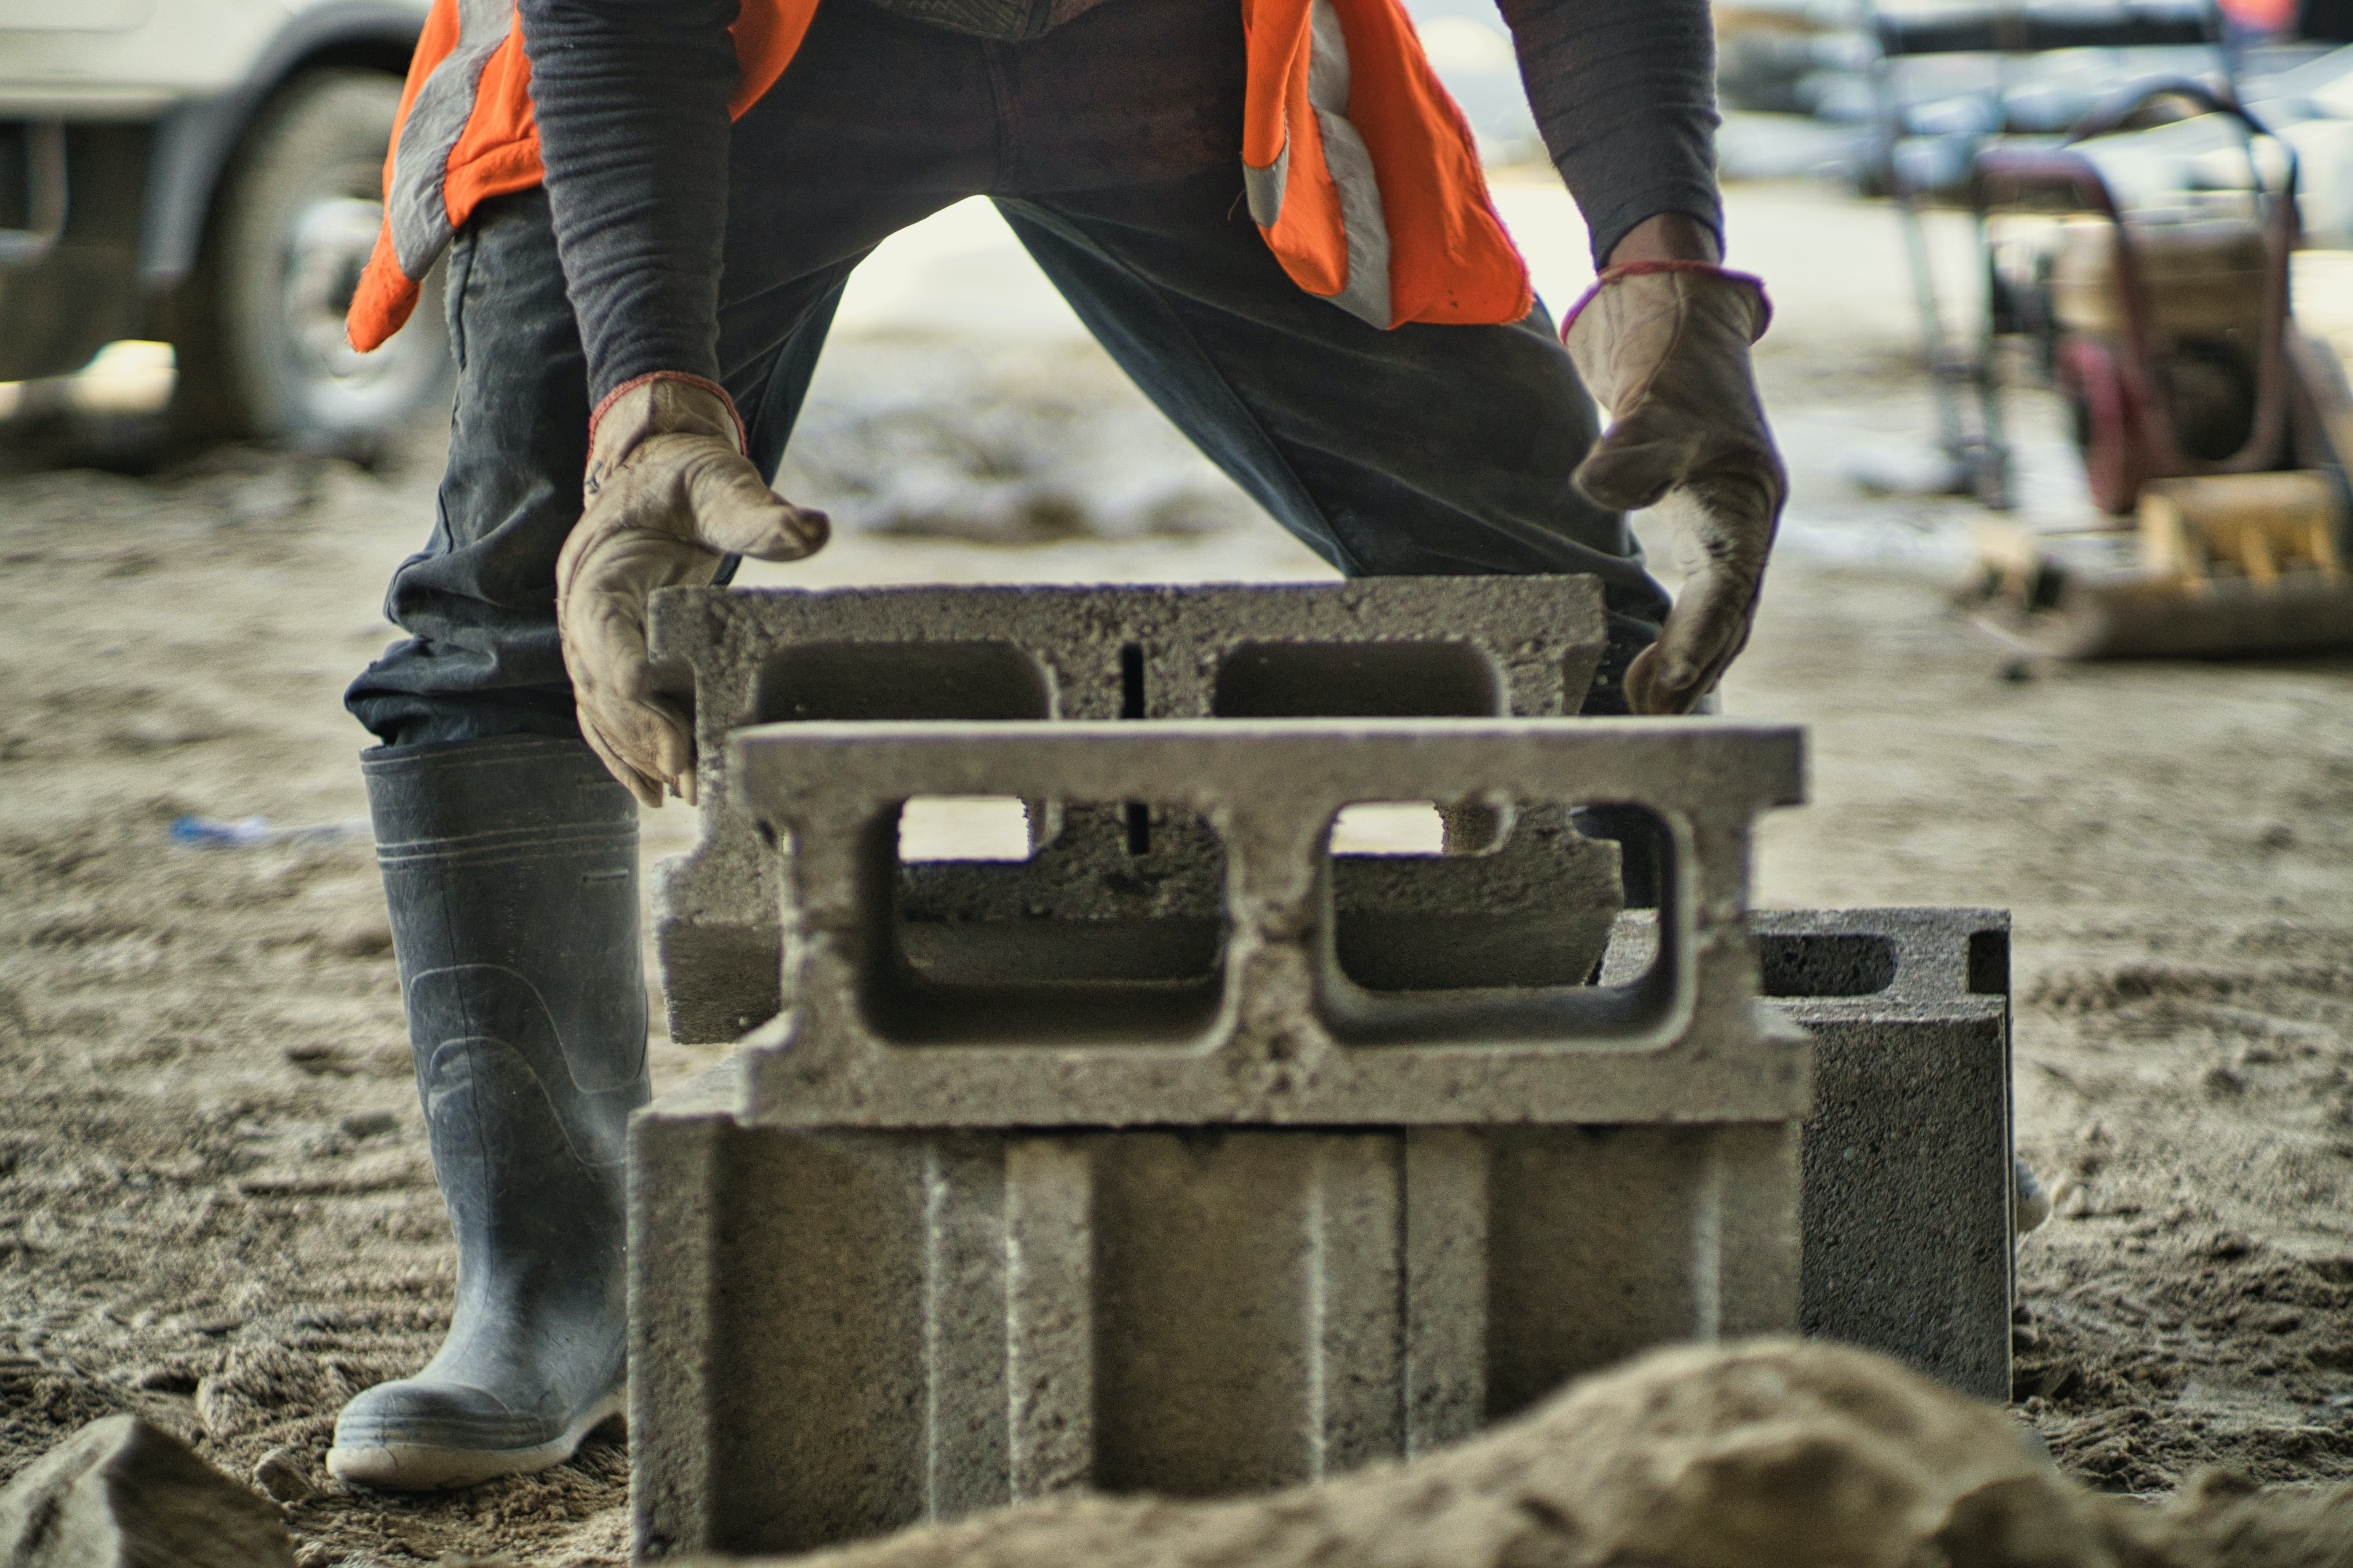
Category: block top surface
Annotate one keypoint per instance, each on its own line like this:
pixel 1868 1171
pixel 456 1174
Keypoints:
pixel 1288 768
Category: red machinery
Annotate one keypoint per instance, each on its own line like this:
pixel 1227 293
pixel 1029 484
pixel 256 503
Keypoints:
pixel 2201 411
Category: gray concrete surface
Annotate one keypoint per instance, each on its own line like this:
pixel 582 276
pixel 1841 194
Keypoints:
pixel 1908 1180
pixel 835 1333
pixel 1271 1028
pixel 1481 647
pixel 1908 1186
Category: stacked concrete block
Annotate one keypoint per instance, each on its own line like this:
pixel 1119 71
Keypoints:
pixel 1909 1184
pixel 933 1242
pixel 1126 877
pixel 1536 910
pixel 1909 1188
pixel 843 1332
pixel 1269 1033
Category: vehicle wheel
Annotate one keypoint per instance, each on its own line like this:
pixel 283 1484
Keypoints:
pixel 260 328
pixel 2101 401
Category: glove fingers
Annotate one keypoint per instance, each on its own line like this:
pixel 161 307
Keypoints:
pixel 1733 508
pixel 648 791
pixel 1704 632
pixel 1641 459
pixel 1653 693
pixel 735 513
pixel 641 740
pixel 1625 478
pixel 643 743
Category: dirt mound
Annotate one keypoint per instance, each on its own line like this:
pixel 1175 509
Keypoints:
pixel 1697 1457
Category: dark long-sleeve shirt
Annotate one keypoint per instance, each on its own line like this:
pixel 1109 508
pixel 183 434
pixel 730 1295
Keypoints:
pixel 631 101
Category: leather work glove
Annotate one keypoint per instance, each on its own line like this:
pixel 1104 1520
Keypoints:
pixel 1663 345
pixel 668 492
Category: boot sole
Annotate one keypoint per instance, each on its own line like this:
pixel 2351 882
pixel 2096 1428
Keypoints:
pixel 427 1467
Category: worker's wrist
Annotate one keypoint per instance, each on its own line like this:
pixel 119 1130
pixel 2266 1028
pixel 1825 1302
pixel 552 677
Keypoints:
pixel 663 403
pixel 714 407
pixel 1667 237
pixel 1617 272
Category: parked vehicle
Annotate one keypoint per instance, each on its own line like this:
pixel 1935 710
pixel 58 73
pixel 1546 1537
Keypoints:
pixel 209 172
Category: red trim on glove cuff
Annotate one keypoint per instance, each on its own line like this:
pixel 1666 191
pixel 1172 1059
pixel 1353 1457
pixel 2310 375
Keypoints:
pixel 1636 269
pixel 743 437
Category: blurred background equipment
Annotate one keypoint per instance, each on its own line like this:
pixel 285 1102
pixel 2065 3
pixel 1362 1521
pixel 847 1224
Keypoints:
pixel 206 173
pixel 2140 172
pixel 2199 410
pixel 1946 84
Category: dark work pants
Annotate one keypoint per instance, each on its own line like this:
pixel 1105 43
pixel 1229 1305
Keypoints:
pixel 1112 148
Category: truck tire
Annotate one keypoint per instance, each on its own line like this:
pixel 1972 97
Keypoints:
pixel 258 331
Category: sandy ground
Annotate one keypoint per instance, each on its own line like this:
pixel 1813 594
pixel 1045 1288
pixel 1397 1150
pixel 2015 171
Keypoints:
pixel 215 1202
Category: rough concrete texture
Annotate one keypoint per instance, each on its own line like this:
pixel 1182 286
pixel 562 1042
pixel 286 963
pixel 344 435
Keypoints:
pixel 839 1334
pixel 1909 1184
pixel 1699 1457
pixel 1274 1030
pixel 1398 646
pixel 1909 1179
pixel 1095 905
pixel 123 1493
pixel 895 1263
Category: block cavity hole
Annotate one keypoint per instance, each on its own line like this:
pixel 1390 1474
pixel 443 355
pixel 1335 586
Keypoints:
pixel 882 680
pixel 1539 908
pixel 1844 964
pixel 1357 681
pixel 964 827
pixel 1081 940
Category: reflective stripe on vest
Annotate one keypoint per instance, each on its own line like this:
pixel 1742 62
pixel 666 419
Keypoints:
pixel 1362 172
pixel 465 133
pixel 416 207
pixel 1359 169
pixel 1337 241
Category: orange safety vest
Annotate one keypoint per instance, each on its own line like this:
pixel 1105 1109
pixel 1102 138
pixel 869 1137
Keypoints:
pixel 1360 170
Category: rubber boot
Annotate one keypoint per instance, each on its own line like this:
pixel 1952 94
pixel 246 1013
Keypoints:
pixel 510 867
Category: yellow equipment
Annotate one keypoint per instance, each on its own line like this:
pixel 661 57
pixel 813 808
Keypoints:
pixel 2217 431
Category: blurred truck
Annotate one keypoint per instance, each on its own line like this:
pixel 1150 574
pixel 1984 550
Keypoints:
pixel 209 172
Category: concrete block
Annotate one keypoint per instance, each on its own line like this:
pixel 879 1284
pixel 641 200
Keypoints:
pixel 1155 1289
pixel 1537 910
pixel 967 1227
pixel 839 1332
pixel 1397 647
pixel 1908 1223
pixel 1908 1188
pixel 1271 1028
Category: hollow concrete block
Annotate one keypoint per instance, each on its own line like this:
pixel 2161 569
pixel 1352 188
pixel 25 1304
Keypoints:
pixel 1472 647
pixel 1271 1027
pixel 933 1241
pixel 838 1334
pixel 1908 1190
pixel 1908 1195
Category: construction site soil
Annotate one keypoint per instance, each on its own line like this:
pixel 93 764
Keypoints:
pixel 215 1204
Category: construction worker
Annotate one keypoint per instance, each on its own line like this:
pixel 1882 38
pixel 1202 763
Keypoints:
pixel 1266 210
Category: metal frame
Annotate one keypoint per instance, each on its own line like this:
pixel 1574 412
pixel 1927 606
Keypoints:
pixel 45 194
pixel 1962 373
